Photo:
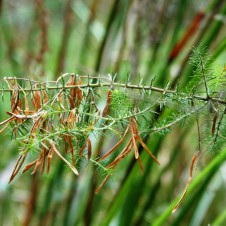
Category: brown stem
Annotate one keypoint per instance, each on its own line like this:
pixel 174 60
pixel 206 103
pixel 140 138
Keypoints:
pixel 1 1
pixel 43 24
pixel 68 17
pixel 30 206
pixel 115 147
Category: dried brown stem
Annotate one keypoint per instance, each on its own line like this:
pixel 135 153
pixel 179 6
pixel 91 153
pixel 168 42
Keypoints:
pixel 75 171
pixel 187 185
pixel 116 146
pixel 18 165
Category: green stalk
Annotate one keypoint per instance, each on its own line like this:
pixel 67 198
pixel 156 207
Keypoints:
pixel 220 220
pixel 212 167
pixel 219 49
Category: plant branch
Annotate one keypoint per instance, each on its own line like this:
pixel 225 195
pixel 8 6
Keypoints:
pixel 44 86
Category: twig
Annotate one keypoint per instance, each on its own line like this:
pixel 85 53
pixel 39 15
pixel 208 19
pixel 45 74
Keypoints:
pixel 110 84
pixel 177 120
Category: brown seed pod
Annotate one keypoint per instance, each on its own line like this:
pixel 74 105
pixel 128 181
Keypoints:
pixel 50 156
pixel 37 99
pixel 45 96
pixel 29 165
pixel 18 165
pixel 75 171
pixel 15 97
pixel 76 95
pixel 108 102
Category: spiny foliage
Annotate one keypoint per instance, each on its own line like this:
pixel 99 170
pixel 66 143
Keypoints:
pixel 65 114
pixel 67 117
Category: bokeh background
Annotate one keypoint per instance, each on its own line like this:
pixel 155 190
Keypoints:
pixel 141 38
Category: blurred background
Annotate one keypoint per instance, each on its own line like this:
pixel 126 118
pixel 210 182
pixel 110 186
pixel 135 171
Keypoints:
pixel 141 38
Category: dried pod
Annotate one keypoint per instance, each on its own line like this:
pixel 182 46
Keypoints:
pixel 116 146
pixel 37 163
pixel 89 148
pixel 68 139
pixel 75 171
pixel 134 137
pixel 15 97
pixel 45 96
pixel 108 102
pixel 37 99
pixel 18 111
pixel 102 184
pixel 50 156
pixel 76 95
pixel 71 118
pixel 38 122
pixel 135 131
pixel 28 166
pixel 81 149
pixel 18 165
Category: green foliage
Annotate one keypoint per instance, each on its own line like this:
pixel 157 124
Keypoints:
pixel 177 115
pixel 120 104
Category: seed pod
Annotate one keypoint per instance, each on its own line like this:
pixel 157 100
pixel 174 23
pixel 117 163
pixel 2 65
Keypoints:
pixel 76 96
pixel 75 171
pixel 108 102
pixel 37 99
pixel 18 111
pixel 50 156
pixel 15 97
pixel 18 165
pixel 29 165
pixel 71 117
pixel 45 96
